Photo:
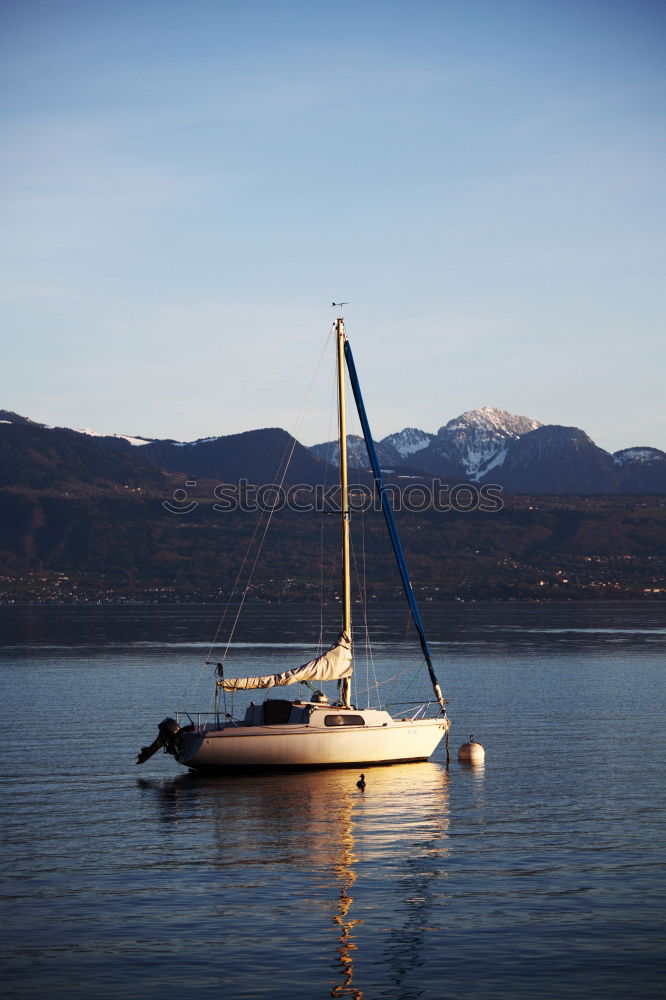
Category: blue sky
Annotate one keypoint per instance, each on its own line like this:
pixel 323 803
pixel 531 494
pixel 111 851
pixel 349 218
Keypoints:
pixel 187 186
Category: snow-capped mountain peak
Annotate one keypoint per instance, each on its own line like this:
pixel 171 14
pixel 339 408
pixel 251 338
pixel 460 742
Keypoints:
pixel 408 441
pixel 478 439
pixel 493 421
pixel 471 444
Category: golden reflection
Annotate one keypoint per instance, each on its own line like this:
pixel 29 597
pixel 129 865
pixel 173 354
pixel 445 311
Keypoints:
pixel 258 823
pixel 345 873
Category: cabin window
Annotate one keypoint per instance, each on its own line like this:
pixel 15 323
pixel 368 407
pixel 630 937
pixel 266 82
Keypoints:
pixel 344 720
pixel 276 712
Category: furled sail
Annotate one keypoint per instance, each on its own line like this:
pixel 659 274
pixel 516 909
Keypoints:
pixel 332 665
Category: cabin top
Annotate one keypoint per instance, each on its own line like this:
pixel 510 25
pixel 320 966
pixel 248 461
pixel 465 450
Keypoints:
pixel 280 712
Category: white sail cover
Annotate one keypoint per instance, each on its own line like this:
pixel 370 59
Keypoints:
pixel 332 665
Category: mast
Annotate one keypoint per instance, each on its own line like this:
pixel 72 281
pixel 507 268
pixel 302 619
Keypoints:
pixel 344 499
pixel 390 524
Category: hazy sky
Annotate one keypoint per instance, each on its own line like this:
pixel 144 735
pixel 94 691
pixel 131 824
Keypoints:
pixel 187 185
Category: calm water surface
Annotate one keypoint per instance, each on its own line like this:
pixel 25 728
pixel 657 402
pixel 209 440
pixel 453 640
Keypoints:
pixel 538 875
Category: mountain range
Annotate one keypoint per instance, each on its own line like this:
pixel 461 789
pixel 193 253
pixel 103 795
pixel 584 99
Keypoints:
pixel 483 446
pixel 85 517
pixel 489 445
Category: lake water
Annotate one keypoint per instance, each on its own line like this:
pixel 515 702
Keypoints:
pixel 540 874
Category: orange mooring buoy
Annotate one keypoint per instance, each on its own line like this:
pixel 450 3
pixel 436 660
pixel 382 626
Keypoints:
pixel 472 752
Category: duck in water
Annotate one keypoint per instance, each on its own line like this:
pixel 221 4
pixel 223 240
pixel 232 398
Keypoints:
pixel 361 782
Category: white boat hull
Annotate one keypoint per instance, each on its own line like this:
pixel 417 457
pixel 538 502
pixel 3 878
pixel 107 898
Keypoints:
pixel 247 747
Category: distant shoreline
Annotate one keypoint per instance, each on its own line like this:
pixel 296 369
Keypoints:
pixel 617 599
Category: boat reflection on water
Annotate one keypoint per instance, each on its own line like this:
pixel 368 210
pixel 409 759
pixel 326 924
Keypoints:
pixel 345 873
pixel 346 869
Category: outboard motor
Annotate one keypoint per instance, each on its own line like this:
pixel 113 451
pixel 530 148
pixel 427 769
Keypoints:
pixel 168 729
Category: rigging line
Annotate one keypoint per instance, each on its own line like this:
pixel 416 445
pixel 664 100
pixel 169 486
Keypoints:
pixel 370 660
pixel 291 450
pixel 259 519
pixel 252 569
pixel 364 608
pixel 359 587
pixel 390 524
pixel 289 447
pixel 245 559
pixel 249 549
pixel 409 683
pixel 322 519
pixel 361 583
pixel 369 657
pixel 376 684
pixel 320 639
pixel 233 589
pixel 415 669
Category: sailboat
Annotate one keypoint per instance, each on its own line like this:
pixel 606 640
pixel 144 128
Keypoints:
pixel 282 733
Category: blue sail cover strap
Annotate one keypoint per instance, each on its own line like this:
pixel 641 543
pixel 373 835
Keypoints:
pixel 390 521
